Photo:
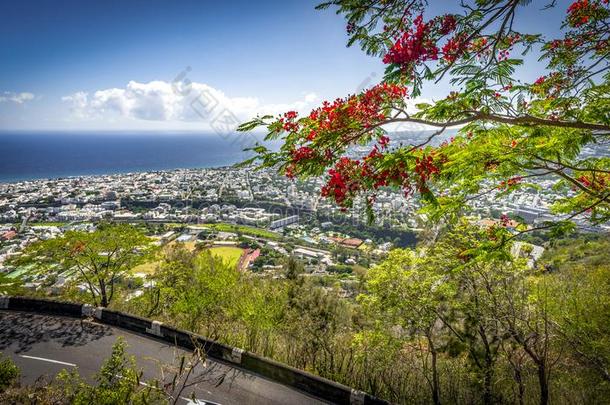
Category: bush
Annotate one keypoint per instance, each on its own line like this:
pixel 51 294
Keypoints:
pixel 9 372
pixel 340 269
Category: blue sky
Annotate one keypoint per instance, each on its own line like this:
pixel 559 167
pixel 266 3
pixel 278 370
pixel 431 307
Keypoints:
pixel 109 64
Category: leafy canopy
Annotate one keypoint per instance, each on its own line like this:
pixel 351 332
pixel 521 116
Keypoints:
pixel 98 259
pixel 509 131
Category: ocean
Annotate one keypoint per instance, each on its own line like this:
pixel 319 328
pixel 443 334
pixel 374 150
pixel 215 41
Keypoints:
pixel 41 155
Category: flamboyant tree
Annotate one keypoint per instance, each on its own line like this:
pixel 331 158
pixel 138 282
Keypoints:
pixel 509 130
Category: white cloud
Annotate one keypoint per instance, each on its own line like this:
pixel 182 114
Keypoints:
pixel 78 103
pixel 182 102
pixel 186 105
pixel 17 98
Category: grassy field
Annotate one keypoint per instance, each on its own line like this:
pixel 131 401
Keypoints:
pixel 34 224
pixel 190 246
pixel 146 268
pixel 246 230
pixel 229 254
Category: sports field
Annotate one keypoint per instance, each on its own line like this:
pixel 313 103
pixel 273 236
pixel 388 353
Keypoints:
pixel 229 254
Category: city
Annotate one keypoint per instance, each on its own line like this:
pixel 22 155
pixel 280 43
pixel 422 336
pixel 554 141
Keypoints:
pixel 282 216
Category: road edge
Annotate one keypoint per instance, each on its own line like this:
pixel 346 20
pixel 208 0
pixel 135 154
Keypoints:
pixel 281 373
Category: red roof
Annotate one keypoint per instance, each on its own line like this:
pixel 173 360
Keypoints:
pixel 8 235
pixel 254 255
pixel 349 242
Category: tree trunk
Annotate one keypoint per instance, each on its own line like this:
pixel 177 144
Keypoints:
pixel 435 389
pixel 488 369
pixel 544 386
pixel 103 294
pixel 487 380
pixel 436 396
pixel 519 380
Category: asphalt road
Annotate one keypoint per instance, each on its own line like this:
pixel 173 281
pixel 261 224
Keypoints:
pixel 44 345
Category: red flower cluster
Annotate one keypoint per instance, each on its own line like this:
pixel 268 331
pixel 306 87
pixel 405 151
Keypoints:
pixel 342 183
pixel 343 117
pixel 288 121
pixel 418 44
pixel 365 109
pixel 580 12
pixel 414 45
pixel 302 153
pixel 448 24
pixel 454 48
pixel 349 177
pixel 298 155
pixel 505 220
pixel 600 182
pixel 425 167
pixel 383 141
pixel 567 43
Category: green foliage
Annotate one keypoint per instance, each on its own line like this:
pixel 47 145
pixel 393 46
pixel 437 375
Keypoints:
pixel 10 286
pixel 580 308
pixel 9 372
pixel 455 321
pixel 243 229
pixel 340 269
pixel 117 382
pixel 196 288
pixel 98 259
pixel 505 320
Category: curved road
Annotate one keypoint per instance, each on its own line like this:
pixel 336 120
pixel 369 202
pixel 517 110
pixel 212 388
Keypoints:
pixel 44 345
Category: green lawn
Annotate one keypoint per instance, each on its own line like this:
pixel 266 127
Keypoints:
pixel 246 230
pixel 229 254
pixel 147 268
pixel 47 224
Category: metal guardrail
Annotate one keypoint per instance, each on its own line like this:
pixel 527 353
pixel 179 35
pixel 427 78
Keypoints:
pixel 301 380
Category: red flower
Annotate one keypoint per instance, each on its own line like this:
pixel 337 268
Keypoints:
pixel 448 24
pixel 289 171
pixel 454 48
pixel 505 220
pixel 425 167
pixel 580 12
pixel 373 154
pixel 365 109
pixel 413 46
pixel 290 115
pixel 304 152
pixel 342 184
pixel 599 182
